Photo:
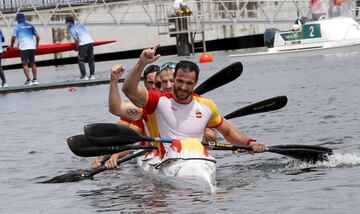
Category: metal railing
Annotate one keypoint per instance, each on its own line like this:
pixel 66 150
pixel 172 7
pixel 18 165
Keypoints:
pixel 11 6
pixel 153 12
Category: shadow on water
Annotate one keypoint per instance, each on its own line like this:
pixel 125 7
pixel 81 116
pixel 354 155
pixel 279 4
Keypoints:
pixel 142 194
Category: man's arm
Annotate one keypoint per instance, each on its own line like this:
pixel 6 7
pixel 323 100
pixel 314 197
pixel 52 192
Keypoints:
pixel 13 38
pixel 234 136
pixel 75 36
pixel 77 41
pixel 131 88
pixel 37 40
pixel 117 107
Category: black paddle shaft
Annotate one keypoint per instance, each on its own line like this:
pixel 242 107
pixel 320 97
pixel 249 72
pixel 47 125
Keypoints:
pixel 79 176
pixel 306 153
pixel 120 161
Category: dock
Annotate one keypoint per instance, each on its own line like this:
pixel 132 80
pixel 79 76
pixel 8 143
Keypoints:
pixel 55 85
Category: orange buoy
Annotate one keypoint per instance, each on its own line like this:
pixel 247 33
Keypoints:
pixel 72 89
pixel 205 57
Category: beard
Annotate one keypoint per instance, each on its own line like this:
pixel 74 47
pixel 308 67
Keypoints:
pixel 181 94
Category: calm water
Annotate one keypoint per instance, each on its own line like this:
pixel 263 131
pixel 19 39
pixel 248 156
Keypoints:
pixel 323 109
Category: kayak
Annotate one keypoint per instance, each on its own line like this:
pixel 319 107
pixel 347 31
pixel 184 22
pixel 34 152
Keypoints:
pixel 195 174
pixel 50 48
pixel 185 164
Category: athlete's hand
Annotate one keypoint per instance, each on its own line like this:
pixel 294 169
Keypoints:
pixel 257 146
pixel 112 162
pixel 96 163
pixel 117 71
pixel 149 56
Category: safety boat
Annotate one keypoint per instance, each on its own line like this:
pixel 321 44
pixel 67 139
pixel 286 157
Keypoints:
pixel 325 29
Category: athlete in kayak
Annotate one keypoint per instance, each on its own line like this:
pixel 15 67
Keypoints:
pixel 85 47
pixel 117 107
pixel 130 114
pixel 150 76
pixel 166 75
pixel 28 40
pixel 180 114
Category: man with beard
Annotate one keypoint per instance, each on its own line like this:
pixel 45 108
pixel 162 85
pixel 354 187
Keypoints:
pixel 180 114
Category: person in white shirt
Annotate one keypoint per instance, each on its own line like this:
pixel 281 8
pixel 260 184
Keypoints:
pixel 28 39
pixel 85 46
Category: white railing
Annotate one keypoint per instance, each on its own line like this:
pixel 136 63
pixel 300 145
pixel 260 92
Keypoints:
pixel 154 12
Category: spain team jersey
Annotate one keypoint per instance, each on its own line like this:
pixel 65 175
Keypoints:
pixel 79 31
pixel 171 119
pixel 25 33
pixel 137 125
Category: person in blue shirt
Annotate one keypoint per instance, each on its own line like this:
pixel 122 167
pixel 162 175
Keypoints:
pixel 28 40
pixel 2 75
pixel 84 42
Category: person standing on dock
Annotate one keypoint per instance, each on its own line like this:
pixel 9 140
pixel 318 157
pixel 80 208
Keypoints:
pixel 25 33
pixel 2 75
pixel 85 47
pixel 357 3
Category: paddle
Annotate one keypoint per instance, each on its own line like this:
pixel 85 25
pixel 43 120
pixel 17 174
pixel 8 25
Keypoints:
pixel 102 134
pixel 79 176
pixel 81 146
pixel 306 153
pixel 221 78
pixel 107 130
pixel 97 134
pixel 271 104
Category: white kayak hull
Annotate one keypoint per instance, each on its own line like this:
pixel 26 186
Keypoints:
pixel 196 174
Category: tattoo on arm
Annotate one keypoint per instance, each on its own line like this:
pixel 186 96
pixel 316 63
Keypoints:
pixel 133 112
pixel 138 102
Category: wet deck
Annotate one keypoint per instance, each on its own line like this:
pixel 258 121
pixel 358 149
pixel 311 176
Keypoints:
pixel 55 85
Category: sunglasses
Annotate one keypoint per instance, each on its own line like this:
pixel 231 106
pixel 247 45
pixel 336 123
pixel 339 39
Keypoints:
pixel 150 69
pixel 168 65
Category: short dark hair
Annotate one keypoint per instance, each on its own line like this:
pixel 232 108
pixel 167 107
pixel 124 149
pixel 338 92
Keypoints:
pixel 20 17
pixel 187 65
pixel 151 69
pixel 69 19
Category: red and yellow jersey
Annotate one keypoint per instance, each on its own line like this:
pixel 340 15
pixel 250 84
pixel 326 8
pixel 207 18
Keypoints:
pixel 137 125
pixel 168 118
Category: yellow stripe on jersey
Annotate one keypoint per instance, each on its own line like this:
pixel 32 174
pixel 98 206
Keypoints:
pixel 151 124
pixel 192 145
pixel 216 118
